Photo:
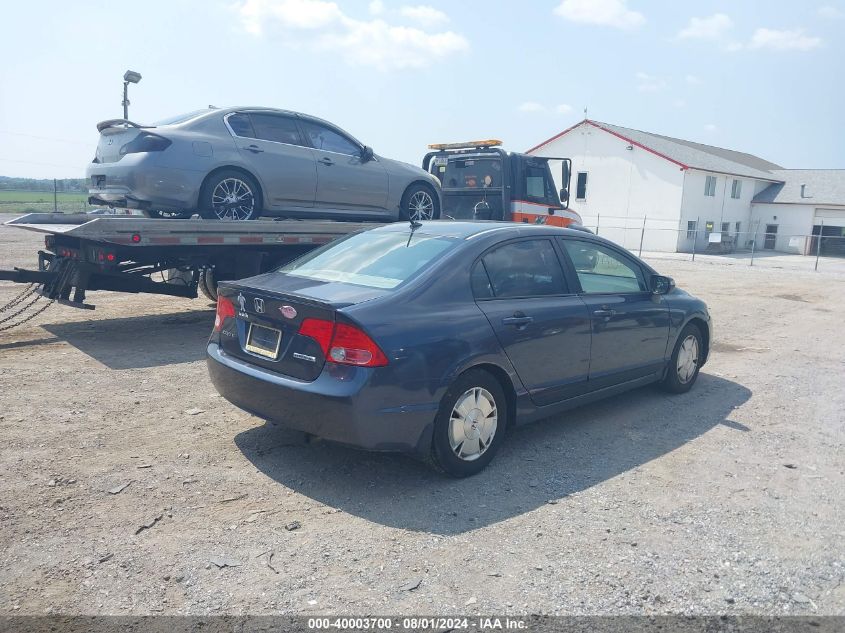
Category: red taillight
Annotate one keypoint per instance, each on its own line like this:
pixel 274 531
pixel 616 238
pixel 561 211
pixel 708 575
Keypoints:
pixel 320 330
pixel 344 344
pixel 136 238
pixel 110 257
pixel 225 310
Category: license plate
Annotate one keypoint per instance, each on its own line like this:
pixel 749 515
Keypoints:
pixel 263 341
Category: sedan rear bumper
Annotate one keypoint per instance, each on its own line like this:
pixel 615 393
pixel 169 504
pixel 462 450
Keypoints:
pixel 341 405
pixel 136 182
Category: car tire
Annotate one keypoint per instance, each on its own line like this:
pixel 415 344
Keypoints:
pixel 207 284
pixel 685 362
pixel 470 405
pixel 226 188
pixel 419 202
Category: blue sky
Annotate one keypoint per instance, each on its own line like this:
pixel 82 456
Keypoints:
pixel 761 77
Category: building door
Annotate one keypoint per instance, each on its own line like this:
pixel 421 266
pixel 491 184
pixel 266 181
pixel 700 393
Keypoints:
pixel 771 237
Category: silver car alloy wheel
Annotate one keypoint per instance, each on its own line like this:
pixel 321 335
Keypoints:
pixel 473 423
pixel 232 199
pixel 687 359
pixel 421 206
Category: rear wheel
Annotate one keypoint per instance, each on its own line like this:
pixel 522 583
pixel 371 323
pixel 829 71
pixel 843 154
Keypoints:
pixel 208 284
pixel 230 195
pixel 419 203
pixel 685 362
pixel 470 424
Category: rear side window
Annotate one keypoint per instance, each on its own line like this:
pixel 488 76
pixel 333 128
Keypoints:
pixel 273 127
pixel 372 259
pixel 601 270
pixel 528 268
pixel 322 137
pixel 241 125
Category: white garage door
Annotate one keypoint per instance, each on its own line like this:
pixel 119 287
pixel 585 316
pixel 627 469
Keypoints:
pixel 831 217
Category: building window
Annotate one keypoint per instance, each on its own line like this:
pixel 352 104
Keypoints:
pixel 738 224
pixel 710 186
pixel 691 229
pixel 736 189
pixel 726 227
pixel 581 186
pixel 708 227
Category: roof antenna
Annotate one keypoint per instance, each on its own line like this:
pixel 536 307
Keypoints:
pixel 415 224
pixel 585 112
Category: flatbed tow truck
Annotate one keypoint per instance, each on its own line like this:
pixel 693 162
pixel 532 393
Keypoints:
pixel 186 257
pixel 128 253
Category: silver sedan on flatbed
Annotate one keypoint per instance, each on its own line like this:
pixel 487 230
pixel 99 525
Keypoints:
pixel 242 163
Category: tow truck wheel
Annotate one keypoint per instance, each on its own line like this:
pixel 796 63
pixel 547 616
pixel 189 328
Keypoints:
pixel 208 284
pixel 230 195
pixel 419 203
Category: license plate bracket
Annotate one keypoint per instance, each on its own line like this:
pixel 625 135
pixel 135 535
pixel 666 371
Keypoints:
pixel 263 341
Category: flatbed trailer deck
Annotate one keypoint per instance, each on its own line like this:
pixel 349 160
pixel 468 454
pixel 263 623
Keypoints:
pixel 127 253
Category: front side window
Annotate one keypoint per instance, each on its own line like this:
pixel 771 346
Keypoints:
pixel 529 268
pixel 736 189
pixel 601 270
pixel 372 259
pixel 324 138
pixel 710 186
pixel 537 184
pixel 581 186
pixel 277 128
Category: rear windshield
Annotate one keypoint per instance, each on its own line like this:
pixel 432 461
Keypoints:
pixel 372 259
pixel 181 118
pixel 472 173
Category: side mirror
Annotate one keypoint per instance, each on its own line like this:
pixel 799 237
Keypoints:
pixel 564 198
pixel 367 154
pixel 661 285
pixel 565 177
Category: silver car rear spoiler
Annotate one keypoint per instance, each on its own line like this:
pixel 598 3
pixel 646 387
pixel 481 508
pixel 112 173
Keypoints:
pixel 103 125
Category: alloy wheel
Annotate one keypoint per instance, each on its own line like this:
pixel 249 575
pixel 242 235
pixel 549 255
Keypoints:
pixel 232 199
pixel 421 206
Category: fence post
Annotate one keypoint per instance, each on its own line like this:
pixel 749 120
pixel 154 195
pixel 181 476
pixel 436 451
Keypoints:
pixel 695 237
pixel 819 245
pixel 642 235
pixel 55 197
pixel 598 219
pixel 753 244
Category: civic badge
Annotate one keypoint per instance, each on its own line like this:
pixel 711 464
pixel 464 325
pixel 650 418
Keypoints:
pixel 259 305
pixel 289 312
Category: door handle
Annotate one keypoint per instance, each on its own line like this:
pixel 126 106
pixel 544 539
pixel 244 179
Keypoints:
pixel 325 160
pixel 604 313
pixel 519 320
pixel 254 149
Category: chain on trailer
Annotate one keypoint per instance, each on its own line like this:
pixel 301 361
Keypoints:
pixel 61 279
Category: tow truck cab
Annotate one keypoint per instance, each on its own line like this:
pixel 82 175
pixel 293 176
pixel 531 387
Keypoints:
pixel 481 181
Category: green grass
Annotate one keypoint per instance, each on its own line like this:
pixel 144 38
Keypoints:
pixel 24 197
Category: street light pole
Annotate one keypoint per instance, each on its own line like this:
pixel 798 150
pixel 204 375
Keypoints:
pixel 129 77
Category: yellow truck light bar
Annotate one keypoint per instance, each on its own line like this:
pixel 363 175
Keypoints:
pixel 491 142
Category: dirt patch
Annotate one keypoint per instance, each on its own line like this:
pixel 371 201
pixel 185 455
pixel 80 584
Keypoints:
pixel 130 487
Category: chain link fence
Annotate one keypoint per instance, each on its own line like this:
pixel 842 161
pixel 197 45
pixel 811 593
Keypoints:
pixel 764 245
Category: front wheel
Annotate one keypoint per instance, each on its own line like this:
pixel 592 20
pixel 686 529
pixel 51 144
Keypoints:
pixel 419 203
pixel 685 362
pixel 230 195
pixel 470 424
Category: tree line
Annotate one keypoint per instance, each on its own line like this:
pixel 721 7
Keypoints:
pixel 72 185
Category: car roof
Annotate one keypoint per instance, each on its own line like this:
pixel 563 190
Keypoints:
pixel 470 229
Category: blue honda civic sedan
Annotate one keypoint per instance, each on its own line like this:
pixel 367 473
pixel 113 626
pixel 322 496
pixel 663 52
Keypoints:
pixel 437 337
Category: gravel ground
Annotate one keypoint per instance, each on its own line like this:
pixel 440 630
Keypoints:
pixel 130 487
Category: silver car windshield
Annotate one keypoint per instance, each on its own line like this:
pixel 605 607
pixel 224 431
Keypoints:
pixel 372 259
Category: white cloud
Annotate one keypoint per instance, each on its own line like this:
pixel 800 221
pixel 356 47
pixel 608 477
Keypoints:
pixel 650 83
pixel 710 28
pixel 774 39
pixel 376 7
pixel 710 127
pixel 831 13
pixel 613 13
pixel 563 108
pixel 424 14
pixel 692 80
pixel 323 26
pixel 531 106
pixel 679 103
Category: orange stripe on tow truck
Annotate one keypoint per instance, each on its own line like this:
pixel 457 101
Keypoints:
pixel 541 218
